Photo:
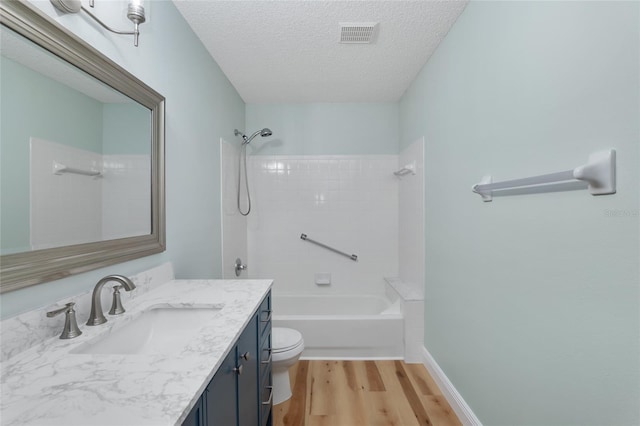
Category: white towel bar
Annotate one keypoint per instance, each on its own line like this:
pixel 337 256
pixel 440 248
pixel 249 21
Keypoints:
pixel 599 172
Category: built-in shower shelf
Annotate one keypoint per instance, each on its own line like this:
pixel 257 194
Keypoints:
pixel 408 169
pixel 60 169
pixel 408 291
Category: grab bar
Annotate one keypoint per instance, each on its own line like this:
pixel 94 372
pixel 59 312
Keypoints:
pixel 350 256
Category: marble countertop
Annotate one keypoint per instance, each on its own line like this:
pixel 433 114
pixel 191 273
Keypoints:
pixel 48 385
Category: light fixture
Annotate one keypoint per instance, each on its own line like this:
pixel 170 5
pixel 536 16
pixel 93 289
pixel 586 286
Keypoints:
pixel 135 13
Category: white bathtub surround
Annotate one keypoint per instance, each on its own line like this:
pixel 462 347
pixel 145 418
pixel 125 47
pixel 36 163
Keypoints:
pixel 347 202
pixel 455 400
pixel 67 208
pixel 408 291
pixel 234 225
pixel 409 283
pixel 48 385
pixel 72 208
pixel 126 183
pixel 30 329
pixel 343 326
pixel 411 301
pixel 411 205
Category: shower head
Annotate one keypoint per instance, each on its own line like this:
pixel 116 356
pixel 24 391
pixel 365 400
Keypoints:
pixel 264 133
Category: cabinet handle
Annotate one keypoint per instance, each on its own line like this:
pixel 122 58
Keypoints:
pixel 268 311
pixel 268 401
pixel 268 361
pixel 238 370
pixel 245 356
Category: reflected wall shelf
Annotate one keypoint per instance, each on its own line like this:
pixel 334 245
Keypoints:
pixel 59 169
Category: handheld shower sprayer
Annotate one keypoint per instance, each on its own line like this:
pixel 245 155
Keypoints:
pixel 242 160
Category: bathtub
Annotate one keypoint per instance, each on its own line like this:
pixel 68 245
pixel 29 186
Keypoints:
pixel 343 326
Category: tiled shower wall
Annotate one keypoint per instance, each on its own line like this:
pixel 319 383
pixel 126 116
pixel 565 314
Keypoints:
pixel 65 209
pixel 347 202
pixel 126 191
pixel 74 209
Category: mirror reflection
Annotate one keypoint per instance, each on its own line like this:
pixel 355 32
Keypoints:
pixel 75 154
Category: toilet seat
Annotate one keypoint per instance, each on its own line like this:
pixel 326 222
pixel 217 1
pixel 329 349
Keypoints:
pixel 285 339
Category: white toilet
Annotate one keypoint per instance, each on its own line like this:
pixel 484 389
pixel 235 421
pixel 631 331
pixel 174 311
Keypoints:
pixel 286 347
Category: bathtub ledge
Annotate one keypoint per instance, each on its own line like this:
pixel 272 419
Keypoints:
pixel 408 291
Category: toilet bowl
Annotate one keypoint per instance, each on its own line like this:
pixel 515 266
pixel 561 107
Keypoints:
pixel 286 346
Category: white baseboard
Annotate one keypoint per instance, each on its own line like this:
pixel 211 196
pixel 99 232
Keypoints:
pixel 459 406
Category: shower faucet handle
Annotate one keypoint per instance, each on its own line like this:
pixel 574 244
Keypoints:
pixel 239 266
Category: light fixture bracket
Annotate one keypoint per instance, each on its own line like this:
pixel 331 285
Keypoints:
pixel 135 13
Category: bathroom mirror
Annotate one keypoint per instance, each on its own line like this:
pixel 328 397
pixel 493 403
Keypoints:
pixel 81 151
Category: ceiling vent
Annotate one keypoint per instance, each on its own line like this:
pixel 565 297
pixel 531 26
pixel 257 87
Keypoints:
pixel 357 32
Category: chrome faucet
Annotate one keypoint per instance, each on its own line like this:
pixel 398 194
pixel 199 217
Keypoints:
pixel 96 317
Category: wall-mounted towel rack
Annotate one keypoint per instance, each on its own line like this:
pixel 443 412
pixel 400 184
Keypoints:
pixel 59 169
pixel 599 172
pixel 350 256
pixel 407 169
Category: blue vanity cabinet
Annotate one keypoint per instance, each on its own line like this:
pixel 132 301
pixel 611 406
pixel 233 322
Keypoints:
pixel 239 393
pixel 220 398
pixel 196 416
pixel 248 410
pixel 264 345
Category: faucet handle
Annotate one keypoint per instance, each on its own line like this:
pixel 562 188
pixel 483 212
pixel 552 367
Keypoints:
pixel 70 329
pixel 239 266
pixel 116 305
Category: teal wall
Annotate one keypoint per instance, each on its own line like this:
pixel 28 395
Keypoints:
pixel 532 301
pixel 127 129
pixel 64 116
pixel 201 107
pixel 325 128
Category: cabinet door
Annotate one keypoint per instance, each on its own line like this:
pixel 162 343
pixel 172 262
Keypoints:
pixel 248 357
pixel 221 398
pixel 196 416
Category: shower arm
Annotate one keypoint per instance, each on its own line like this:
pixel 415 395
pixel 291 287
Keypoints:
pixel 250 138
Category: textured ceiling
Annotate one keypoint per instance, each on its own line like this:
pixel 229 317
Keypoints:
pixel 288 51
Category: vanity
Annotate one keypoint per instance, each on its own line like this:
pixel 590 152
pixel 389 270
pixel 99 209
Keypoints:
pixel 216 372
pixel 243 378
pixel 183 352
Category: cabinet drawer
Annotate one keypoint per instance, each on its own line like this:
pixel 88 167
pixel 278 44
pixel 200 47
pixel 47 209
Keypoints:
pixel 264 316
pixel 265 354
pixel 266 400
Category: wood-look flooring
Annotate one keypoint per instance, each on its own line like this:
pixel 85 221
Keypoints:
pixel 362 393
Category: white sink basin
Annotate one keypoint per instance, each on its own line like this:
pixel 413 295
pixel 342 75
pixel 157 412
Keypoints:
pixel 159 329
